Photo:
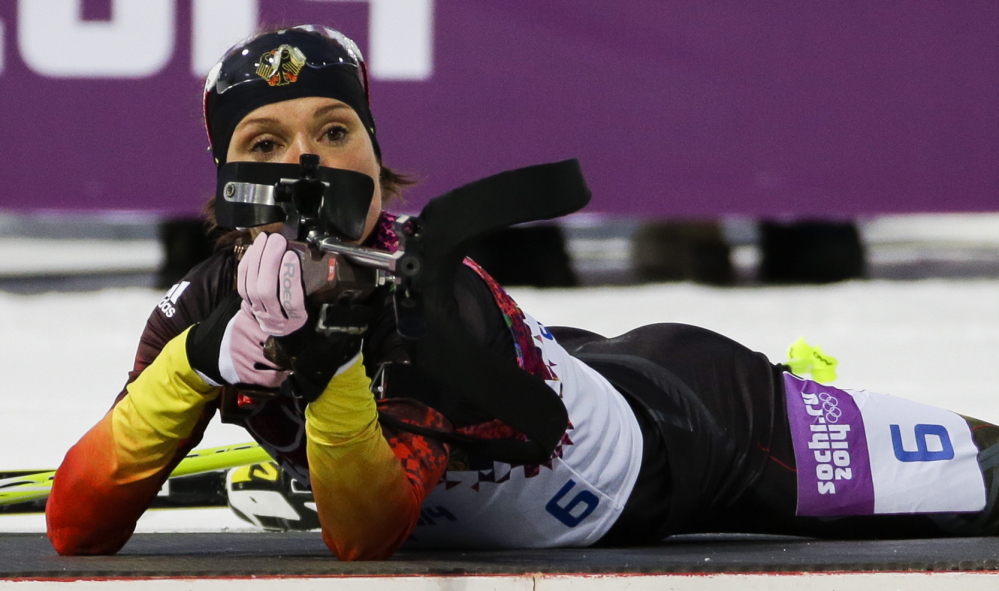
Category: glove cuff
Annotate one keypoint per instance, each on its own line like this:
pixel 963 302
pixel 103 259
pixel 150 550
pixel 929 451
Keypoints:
pixel 205 340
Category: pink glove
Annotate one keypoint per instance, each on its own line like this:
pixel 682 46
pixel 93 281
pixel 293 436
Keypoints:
pixel 241 356
pixel 269 279
pixel 228 348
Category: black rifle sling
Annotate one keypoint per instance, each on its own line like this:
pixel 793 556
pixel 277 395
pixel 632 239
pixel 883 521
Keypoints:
pixel 448 225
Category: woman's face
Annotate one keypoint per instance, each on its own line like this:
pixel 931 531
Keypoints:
pixel 281 132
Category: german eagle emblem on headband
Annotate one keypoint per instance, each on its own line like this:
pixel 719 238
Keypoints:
pixel 281 66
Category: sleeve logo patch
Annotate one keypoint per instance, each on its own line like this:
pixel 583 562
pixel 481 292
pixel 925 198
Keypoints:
pixel 863 453
pixel 168 304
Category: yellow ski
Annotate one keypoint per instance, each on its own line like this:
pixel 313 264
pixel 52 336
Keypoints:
pixel 30 487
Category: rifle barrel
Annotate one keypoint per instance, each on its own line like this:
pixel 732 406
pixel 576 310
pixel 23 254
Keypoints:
pixel 367 257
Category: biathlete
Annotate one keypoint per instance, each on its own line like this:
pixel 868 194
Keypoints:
pixel 666 429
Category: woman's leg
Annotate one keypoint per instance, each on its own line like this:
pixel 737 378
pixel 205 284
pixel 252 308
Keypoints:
pixel 928 478
pixel 722 451
pixel 706 405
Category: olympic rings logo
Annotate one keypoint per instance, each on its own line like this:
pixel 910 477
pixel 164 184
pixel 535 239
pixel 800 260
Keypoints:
pixel 830 407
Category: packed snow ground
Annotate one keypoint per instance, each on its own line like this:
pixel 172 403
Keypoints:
pixel 65 355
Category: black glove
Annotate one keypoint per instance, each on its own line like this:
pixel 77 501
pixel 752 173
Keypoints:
pixel 320 349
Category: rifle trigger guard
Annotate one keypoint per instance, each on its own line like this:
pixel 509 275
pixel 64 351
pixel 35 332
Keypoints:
pixel 329 326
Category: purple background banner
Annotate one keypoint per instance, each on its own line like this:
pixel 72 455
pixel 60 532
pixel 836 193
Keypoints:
pixel 676 108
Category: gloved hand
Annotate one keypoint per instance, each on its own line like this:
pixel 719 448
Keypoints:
pixel 228 348
pixel 269 279
pixel 316 356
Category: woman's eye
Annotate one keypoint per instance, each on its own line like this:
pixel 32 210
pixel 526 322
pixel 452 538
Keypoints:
pixel 336 133
pixel 263 146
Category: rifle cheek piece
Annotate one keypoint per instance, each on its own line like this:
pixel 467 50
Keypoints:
pixel 306 196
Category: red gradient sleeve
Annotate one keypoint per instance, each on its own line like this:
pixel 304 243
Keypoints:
pixel 109 478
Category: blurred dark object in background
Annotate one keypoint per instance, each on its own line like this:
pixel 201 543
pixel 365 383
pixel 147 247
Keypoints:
pixel 810 252
pixel 530 255
pixel 185 244
pixel 682 251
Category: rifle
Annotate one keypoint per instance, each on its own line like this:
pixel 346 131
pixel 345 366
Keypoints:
pixel 323 211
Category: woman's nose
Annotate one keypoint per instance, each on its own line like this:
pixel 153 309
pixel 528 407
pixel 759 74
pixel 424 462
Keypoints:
pixel 300 145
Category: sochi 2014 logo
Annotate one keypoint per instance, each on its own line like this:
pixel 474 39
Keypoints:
pixel 830 407
pixel 829 441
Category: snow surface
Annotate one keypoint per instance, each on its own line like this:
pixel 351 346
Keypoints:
pixel 66 355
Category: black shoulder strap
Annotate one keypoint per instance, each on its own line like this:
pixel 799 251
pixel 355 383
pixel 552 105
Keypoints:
pixel 445 229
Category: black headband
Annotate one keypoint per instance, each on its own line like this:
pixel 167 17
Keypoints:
pixel 294 63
